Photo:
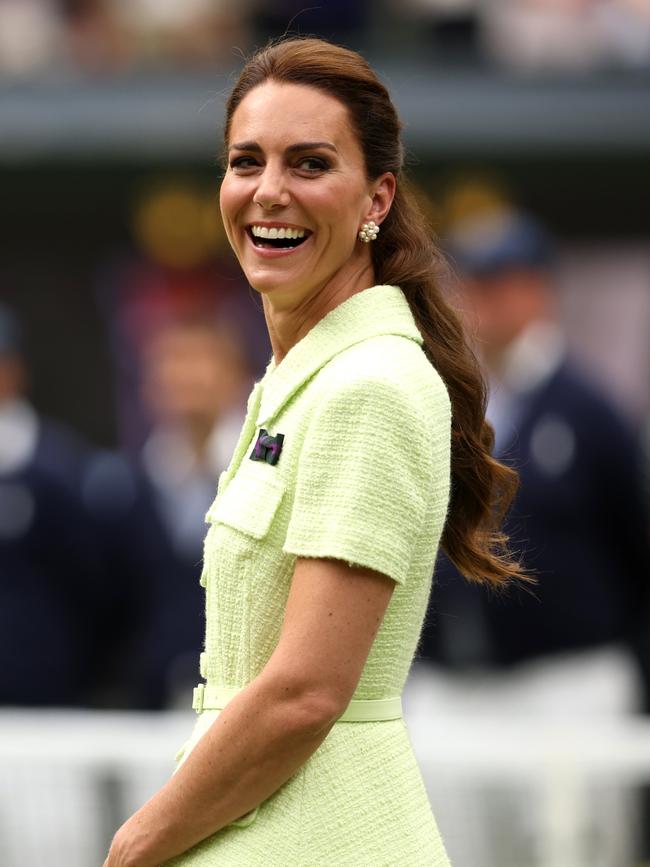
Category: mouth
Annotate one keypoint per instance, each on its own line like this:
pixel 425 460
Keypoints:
pixel 276 237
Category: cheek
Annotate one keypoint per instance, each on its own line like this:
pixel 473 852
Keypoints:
pixel 339 202
pixel 342 213
pixel 224 200
pixel 231 199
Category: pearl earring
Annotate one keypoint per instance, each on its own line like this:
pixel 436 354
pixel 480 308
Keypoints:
pixel 369 231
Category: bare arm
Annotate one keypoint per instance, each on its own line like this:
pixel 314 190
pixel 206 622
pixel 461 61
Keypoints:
pixel 270 729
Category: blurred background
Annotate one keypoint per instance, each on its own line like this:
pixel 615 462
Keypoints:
pixel 129 343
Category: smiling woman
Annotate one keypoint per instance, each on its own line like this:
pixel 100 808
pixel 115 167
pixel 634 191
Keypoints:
pixel 295 162
pixel 364 448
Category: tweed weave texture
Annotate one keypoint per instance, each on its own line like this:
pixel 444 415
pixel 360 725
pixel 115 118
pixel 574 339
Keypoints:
pixel 363 476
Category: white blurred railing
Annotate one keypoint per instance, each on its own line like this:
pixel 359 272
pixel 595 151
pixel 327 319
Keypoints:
pixel 505 793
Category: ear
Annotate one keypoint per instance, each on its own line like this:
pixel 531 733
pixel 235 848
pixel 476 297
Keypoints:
pixel 382 193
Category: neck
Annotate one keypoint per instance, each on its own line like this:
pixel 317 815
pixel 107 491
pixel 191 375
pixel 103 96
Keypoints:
pixel 287 323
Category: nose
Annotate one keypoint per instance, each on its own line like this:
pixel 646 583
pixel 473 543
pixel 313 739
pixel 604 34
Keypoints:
pixel 271 189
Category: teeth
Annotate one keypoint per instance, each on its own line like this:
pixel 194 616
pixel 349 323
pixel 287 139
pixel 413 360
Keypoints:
pixel 264 232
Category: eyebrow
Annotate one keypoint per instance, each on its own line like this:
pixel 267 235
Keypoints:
pixel 294 148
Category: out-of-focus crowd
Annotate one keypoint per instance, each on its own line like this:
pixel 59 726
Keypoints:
pixel 100 550
pixel 116 36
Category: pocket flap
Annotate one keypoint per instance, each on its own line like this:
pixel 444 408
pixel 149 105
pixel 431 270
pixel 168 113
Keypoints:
pixel 248 504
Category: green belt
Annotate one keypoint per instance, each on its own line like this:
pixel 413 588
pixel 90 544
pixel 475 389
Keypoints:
pixel 207 697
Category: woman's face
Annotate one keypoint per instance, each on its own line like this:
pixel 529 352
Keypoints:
pixel 295 168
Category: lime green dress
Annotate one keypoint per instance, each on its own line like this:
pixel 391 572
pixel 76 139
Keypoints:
pixel 345 453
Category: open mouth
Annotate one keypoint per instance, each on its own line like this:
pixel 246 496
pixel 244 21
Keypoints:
pixel 280 238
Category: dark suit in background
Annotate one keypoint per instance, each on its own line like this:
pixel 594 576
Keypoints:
pixel 578 521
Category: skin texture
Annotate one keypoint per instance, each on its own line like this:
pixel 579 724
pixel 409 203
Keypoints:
pixel 333 612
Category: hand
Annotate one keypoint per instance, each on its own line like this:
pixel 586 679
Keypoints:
pixel 113 860
pixel 124 848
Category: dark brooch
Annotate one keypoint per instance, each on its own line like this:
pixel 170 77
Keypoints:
pixel 267 448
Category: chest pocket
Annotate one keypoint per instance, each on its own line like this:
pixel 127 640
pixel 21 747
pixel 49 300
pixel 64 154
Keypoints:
pixel 249 502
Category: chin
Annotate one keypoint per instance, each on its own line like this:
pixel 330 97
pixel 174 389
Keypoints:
pixel 267 283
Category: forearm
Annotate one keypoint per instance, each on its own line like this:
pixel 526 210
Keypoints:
pixel 255 745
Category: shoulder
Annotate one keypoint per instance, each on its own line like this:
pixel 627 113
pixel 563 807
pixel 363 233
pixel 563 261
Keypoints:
pixel 383 394
pixel 386 368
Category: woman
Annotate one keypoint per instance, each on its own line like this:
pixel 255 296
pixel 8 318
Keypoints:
pixel 324 531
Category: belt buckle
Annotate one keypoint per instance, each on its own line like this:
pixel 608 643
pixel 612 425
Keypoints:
pixel 199 693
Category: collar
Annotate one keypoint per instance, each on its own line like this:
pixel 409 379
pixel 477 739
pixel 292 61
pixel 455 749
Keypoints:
pixel 370 313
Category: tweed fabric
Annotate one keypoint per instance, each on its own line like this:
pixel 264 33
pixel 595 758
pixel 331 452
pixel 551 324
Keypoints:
pixel 363 476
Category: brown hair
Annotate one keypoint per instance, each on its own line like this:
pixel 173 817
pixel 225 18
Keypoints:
pixel 405 255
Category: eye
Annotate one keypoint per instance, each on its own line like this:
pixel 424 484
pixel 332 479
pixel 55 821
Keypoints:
pixel 241 163
pixel 312 165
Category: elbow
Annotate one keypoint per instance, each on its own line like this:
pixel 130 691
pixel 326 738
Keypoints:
pixel 310 708
pixel 319 711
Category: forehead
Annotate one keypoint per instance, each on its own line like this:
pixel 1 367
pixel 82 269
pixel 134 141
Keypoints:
pixel 275 112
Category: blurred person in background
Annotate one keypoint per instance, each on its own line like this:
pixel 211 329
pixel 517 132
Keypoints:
pixel 194 34
pixel 574 645
pixel 31 37
pixel 105 37
pixel 177 317
pixel 52 586
pixel 176 269
pixel 138 564
pixel 80 543
pixel 568 35
pixel 579 517
pixel 196 377
pixel 95 39
pixel 150 510
pixel 82 551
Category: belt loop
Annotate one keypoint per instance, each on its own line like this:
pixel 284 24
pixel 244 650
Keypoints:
pixel 199 693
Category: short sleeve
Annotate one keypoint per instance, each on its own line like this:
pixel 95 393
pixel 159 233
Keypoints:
pixel 363 480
